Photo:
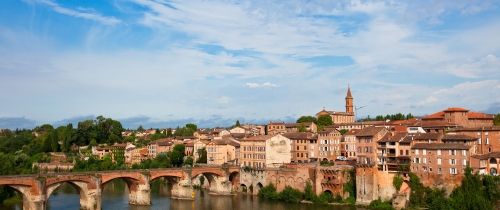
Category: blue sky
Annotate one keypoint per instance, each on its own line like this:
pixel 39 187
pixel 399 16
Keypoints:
pixel 255 60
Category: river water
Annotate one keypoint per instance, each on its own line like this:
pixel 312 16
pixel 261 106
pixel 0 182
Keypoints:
pixel 115 197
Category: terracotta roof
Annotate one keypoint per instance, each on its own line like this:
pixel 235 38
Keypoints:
pixel 226 141
pixel 292 125
pixel 352 132
pixel 370 131
pixel 299 135
pixel 428 136
pixel 427 124
pixel 455 109
pixel 393 137
pixel 238 135
pixel 276 123
pixel 470 115
pixel 434 146
pixel 453 137
pixel 257 138
pixel 479 115
pixel 407 140
pixel 329 130
pixel 189 143
pixel 487 156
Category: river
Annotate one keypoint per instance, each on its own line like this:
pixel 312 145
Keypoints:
pixel 115 197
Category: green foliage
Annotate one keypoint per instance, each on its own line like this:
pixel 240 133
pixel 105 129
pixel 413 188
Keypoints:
pixel 94 164
pixel 397 181
pixel 187 130
pixel 202 180
pixel 302 128
pixel 308 192
pixel 140 128
pixel 290 195
pixel 202 156
pixel 475 192
pixel 380 205
pixel 237 124
pixel 188 161
pixel 103 130
pixel 324 120
pixel 176 156
pixel 169 132
pixel 496 120
pixel 269 192
pixel 306 119
pixel 350 187
pixel 392 117
pixel 343 131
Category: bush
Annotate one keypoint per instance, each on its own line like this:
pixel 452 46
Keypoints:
pixel 269 192
pixel 380 205
pixel 397 181
pixel 290 195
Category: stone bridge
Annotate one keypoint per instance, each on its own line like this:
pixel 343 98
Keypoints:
pixel 36 189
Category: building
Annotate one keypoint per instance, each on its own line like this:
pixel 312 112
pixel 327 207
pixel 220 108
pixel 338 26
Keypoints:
pixel 461 117
pixel 439 159
pixel 222 151
pixel 265 151
pixel 488 138
pixel 189 147
pixel 486 163
pixel 274 128
pixel 329 144
pixel 116 152
pixel 394 152
pixel 342 117
pixel 302 148
pixel 301 127
pixel 254 130
pixel 367 145
pixel 134 155
pixel 237 129
pixel 349 143
pixel 160 146
pixel 197 146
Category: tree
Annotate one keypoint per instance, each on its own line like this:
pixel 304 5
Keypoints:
pixel 496 120
pixel 140 128
pixel 237 124
pixel 343 131
pixel 202 156
pixel 303 119
pixel 176 156
pixel 169 132
pixel 325 120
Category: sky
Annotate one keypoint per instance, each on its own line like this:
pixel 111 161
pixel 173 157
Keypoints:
pixel 157 61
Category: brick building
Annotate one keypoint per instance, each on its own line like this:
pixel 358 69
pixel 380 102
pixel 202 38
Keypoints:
pixel 367 145
pixel 461 117
pixel 302 148
pixel 329 144
pixel 342 117
pixel 265 151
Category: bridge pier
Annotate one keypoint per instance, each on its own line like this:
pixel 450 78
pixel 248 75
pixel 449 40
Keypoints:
pixel 34 203
pixel 183 190
pixel 220 186
pixel 91 200
pixel 140 194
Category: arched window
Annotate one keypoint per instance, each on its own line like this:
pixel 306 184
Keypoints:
pixel 493 161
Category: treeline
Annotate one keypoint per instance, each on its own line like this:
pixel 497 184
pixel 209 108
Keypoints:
pixel 391 117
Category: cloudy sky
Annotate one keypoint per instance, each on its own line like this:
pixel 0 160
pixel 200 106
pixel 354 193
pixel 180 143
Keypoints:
pixel 161 60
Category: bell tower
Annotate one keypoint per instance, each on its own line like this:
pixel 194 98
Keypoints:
pixel 349 101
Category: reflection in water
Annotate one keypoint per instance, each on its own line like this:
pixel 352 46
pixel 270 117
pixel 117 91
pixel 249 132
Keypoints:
pixel 115 197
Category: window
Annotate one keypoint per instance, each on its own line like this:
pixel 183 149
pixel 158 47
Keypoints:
pixel 453 152
pixel 439 171
pixel 439 152
pixel 464 162
pixel 453 171
pixel 424 160
pixel 464 152
pixel 416 152
pixel 424 152
pixel 453 162
pixel 439 161
pixel 487 140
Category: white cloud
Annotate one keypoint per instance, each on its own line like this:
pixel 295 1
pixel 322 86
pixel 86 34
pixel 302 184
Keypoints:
pixel 79 12
pixel 260 85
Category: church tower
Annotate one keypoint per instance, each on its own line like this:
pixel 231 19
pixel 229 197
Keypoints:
pixel 349 103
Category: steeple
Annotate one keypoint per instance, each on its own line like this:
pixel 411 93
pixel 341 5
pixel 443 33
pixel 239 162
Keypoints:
pixel 349 95
pixel 349 101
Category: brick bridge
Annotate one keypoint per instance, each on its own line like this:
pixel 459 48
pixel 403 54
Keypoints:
pixel 36 189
